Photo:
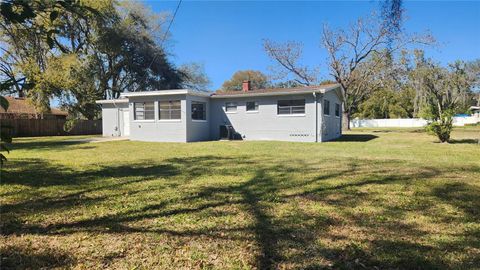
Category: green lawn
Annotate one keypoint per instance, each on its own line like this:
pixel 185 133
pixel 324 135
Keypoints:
pixel 375 199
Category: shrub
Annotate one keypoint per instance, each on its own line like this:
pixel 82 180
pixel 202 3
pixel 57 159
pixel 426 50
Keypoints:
pixel 442 127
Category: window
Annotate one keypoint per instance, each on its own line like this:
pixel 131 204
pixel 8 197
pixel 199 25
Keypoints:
pixel 231 107
pixel 199 110
pixel 252 106
pixel 326 107
pixel 169 109
pixel 295 106
pixel 144 110
pixel 337 109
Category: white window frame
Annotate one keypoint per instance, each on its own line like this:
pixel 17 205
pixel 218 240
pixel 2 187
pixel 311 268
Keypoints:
pixel 255 105
pixel 169 110
pixel 325 102
pixel 231 105
pixel 291 108
pixel 135 117
pixel 204 111
pixel 339 110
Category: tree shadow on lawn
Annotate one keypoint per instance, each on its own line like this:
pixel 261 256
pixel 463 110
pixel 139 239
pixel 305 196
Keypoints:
pixel 465 198
pixel 397 130
pixel 355 138
pixel 40 173
pixel 462 196
pixel 465 141
pixel 298 239
pixel 46 144
pixel 73 187
pixel 380 254
pixel 12 257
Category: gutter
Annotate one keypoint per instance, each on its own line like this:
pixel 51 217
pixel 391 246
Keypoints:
pixel 119 133
pixel 112 101
pixel 277 93
pixel 166 93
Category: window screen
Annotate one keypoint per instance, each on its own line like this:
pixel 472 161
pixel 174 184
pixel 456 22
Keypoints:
pixel 169 109
pixel 293 106
pixel 144 110
pixel 326 107
pixel 252 106
pixel 199 111
pixel 231 107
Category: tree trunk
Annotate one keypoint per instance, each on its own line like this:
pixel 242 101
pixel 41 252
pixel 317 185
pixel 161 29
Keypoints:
pixel 346 121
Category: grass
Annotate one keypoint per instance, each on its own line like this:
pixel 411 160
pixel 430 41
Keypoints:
pixel 375 199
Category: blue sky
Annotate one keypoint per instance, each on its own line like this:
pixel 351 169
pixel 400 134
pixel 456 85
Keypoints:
pixel 226 36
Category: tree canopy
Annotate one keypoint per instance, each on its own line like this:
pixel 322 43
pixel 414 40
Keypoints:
pixel 195 76
pixel 79 52
pixel 257 79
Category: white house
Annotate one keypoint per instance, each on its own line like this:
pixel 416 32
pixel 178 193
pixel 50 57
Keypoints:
pixel 304 114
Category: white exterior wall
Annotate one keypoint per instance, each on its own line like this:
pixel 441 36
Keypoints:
pixel 265 124
pixel 112 119
pixel 158 130
pixel 332 124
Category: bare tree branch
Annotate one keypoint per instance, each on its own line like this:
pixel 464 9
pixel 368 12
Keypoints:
pixel 287 55
pixel 348 50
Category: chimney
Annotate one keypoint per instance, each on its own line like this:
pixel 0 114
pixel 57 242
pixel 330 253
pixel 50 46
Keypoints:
pixel 246 86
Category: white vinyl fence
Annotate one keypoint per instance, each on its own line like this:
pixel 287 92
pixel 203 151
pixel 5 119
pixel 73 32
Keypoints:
pixel 462 121
pixel 408 122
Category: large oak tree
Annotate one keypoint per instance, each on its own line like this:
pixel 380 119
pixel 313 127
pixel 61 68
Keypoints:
pixel 95 50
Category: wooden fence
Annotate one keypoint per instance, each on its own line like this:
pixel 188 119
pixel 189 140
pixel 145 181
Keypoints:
pixel 49 127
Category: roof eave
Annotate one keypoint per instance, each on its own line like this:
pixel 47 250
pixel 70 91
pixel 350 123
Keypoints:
pixel 166 93
pixel 336 88
pixel 111 101
pixel 290 93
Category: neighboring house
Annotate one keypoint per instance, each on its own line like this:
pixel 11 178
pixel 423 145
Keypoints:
pixel 20 108
pixel 475 111
pixel 304 114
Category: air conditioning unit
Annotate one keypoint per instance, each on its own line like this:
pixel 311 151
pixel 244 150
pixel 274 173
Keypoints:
pixel 227 132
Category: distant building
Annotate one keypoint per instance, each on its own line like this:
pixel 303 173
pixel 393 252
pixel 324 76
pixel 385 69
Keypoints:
pixel 20 108
pixel 475 111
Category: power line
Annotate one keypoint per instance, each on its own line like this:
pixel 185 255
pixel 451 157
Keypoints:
pixel 166 32
pixel 171 21
pixel 163 39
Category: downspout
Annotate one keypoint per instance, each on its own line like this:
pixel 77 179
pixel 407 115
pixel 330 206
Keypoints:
pixel 316 116
pixel 118 119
